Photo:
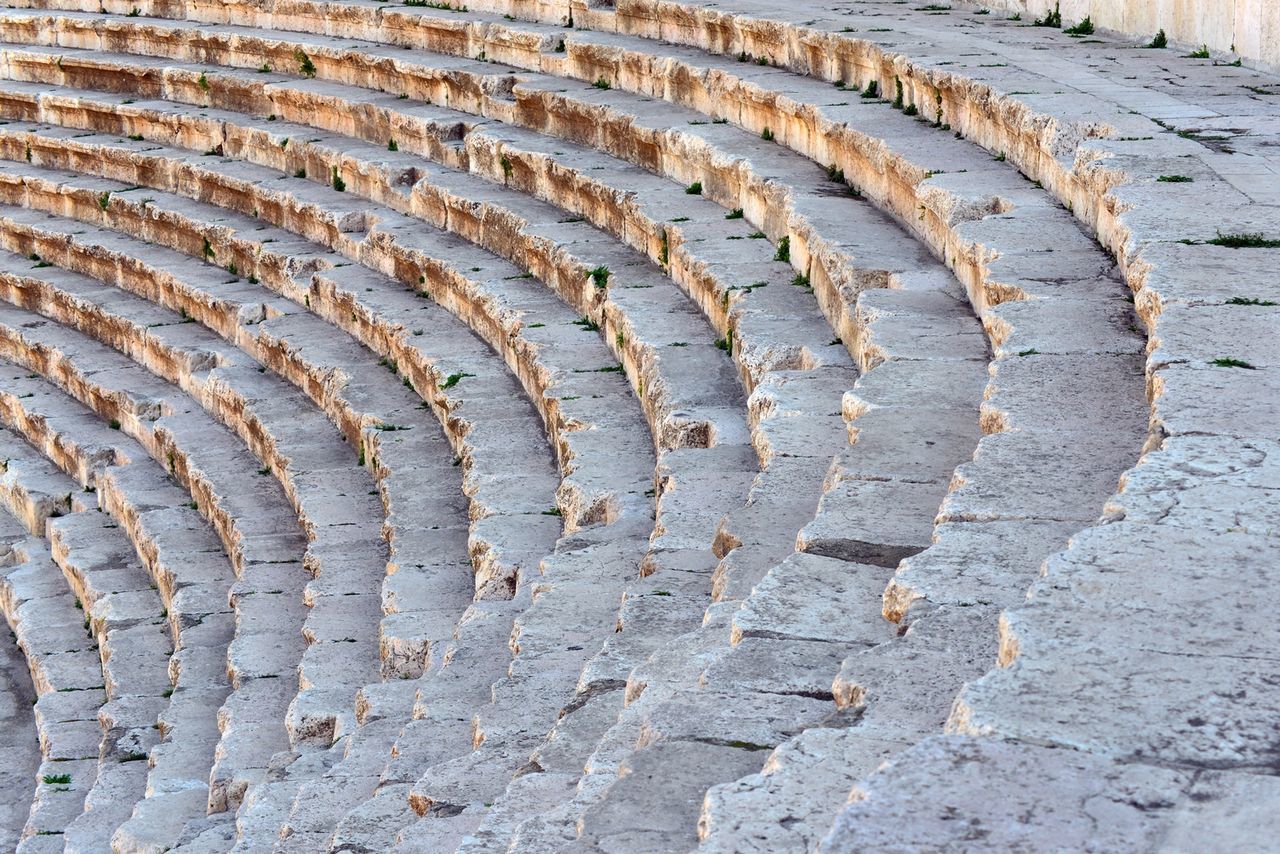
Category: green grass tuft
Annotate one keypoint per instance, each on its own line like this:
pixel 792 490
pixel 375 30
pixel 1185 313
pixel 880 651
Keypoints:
pixel 1245 240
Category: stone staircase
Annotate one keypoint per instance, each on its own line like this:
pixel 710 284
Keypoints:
pixel 634 426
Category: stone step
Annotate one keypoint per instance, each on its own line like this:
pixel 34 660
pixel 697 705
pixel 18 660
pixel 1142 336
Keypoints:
pixel 953 208
pixel 134 638
pixel 708 272
pixel 677 146
pixel 789 803
pixel 684 407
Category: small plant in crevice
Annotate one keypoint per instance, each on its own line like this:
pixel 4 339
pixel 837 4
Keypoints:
pixel 801 280
pixel 104 199
pixel 600 277
pixel 1201 52
pixel 872 90
pixel 783 252
pixel 1229 362
pixel 306 67
pixel 1159 41
pixel 726 343
pixel 391 145
pixel 766 135
pixel 835 174
pixel 1245 240
pixel 56 779
pixel 207 249
pixel 736 213
pixel 1175 179
pixel 601 83
pixel 1248 301
pixel 664 250
pixel 748 745
pixel 338 184
pixel 897 97
pixel 453 379
pixel 1050 19
pixel 203 82
pixel 586 324
pixel 264 69
pixel 911 110
pixel 1031 351
pixel 694 189
pixel 506 168
pixel 1084 28
pixel 300 172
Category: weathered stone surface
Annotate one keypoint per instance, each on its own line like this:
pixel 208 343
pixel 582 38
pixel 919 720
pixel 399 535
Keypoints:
pixel 519 566
pixel 954 792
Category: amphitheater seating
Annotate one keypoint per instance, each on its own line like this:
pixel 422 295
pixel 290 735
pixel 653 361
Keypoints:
pixel 631 426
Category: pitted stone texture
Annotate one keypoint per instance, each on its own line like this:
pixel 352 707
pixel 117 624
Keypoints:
pixel 1097 625
pixel 954 793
